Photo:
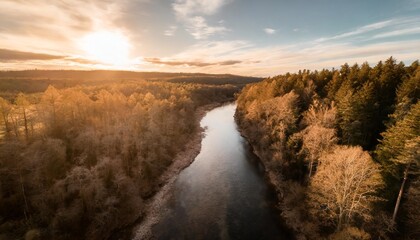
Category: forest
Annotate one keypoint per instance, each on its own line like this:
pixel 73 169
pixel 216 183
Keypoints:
pixel 33 81
pixel 341 147
pixel 78 162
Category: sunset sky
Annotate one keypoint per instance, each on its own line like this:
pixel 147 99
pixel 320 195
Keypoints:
pixel 245 37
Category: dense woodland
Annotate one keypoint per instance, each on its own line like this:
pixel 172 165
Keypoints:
pixel 33 81
pixel 78 163
pixel 341 147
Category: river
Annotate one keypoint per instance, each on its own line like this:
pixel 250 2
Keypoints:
pixel 223 193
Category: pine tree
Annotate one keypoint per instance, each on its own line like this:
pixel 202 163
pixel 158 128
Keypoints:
pixel 398 151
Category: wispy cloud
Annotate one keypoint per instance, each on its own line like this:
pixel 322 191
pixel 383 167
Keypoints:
pixel 212 50
pixel 191 12
pixel 170 31
pixel 382 28
pixel 187 8
pixel 399 33
pixel 190 63
pixel 269 31
pixel 358 31
pixel 7 55
pixel 199 29
pixel 38 25
pixel 272 60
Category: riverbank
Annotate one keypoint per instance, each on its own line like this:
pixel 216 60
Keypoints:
pixel 181 161
pixel 288 193
pixel 141 229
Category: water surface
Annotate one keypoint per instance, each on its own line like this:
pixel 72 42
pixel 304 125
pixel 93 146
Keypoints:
pixel 222 194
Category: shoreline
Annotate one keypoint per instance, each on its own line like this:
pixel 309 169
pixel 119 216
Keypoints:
pixel 141 228
pixel 272 179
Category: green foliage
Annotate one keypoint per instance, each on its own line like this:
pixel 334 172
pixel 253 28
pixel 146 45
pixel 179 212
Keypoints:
pixel 407 95
pixel 396 141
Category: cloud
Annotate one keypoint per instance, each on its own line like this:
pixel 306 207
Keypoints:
pixel 398 33
pixel 212 50
pixel 19 57
pixel 269 31
pixel 190 63
pixel 7 55
pixel 191 12
pixel 360 30
pixel 229 62
pixel 374 27
pixel 81 60
pixel 38 25
pixel 273 60
pixel 170 31
pixel 186 8
pixel 199 29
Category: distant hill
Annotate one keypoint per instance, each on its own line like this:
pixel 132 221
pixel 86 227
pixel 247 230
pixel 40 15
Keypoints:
pixel 31 81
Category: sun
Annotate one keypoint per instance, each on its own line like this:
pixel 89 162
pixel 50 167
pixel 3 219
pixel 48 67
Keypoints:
pixel 106 47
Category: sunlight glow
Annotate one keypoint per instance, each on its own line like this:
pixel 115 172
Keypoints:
pixel 106 47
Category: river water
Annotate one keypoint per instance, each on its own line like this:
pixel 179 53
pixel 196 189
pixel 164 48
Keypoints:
pixel 223 193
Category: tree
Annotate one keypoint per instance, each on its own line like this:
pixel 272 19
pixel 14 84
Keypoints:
pixel 316 141
pixel 321 114
pixel 410 158
pixel 408 94
pixel 364 116
pixel 344 97
pixel 398 151
pixel 22 103
pixel 412 210
pixel 335 84
pixel 344 186
pixel 50 100
pixel 5 109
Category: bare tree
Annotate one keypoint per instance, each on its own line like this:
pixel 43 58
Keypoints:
pixel 344 186
pixel 320 135
pixel 316 141
pixel 321 114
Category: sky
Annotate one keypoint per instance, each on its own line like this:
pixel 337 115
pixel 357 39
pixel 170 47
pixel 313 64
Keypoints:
pixel 245 37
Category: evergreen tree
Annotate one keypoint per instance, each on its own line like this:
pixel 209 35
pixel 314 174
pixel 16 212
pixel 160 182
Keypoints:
pixel 398 151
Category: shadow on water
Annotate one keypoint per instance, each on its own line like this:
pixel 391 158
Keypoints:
pixel 223 193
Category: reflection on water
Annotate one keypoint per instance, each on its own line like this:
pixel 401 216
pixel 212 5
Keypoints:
pixel 222 194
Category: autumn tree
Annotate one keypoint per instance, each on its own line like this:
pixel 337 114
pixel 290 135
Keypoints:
pixel 23 104
pixel 344 186
pixel 50 104
pixel 321 114
pixel 5 109
pixel 316 141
